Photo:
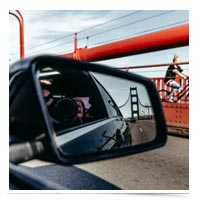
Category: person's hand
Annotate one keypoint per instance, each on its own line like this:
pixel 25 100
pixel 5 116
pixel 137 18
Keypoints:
pixel 47 97
pixel 80 105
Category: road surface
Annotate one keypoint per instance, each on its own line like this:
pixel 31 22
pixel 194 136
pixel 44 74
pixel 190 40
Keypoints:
pixel 142 131
pixel 166 168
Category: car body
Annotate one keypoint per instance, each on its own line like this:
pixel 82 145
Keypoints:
pixel 36 134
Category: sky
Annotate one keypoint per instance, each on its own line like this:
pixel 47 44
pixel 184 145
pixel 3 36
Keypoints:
pixel 52 32
pixel 114 84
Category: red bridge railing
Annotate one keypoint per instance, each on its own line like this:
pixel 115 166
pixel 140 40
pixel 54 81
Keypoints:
pixel 159 81
pixel 160 85
pixel 176 114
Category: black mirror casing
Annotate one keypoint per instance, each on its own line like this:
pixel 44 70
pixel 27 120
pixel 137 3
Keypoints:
pixel 25 110
pixel 27 70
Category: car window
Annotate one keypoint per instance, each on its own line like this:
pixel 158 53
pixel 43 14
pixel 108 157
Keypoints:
pixel 111 106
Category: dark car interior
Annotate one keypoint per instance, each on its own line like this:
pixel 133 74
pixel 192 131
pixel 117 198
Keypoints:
pixel 75 84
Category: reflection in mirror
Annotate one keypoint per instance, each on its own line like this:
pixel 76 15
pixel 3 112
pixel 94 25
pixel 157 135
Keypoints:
pixel 93 112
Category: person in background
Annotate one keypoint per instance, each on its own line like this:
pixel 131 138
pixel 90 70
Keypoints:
pixel 172 72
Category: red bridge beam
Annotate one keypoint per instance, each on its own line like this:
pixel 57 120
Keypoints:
pixel 20 19
pixel 152 65
pixel 160 40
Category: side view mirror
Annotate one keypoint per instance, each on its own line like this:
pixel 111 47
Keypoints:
pixel 77 112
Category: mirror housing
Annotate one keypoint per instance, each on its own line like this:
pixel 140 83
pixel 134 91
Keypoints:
pixel 24 82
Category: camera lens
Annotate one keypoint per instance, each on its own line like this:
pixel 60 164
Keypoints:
pixel 66 109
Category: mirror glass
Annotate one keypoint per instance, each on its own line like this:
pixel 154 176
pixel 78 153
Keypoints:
pixel 93 112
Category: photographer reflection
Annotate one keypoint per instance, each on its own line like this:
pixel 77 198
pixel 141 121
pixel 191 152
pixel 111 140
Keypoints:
pixel 64 111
